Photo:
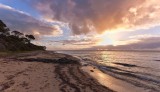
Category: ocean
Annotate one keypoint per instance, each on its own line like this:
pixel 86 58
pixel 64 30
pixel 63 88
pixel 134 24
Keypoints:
pixel 138 68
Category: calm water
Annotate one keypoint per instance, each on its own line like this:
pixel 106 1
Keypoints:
pixel 141 69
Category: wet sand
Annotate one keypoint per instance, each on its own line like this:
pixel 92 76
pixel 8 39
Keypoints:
pixel 111 82
pixel 45 72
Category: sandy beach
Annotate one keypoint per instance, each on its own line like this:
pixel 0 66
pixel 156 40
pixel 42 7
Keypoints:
pixel 79 46
pixel 43 71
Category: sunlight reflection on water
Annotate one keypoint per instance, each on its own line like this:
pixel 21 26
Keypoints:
pixel 138 68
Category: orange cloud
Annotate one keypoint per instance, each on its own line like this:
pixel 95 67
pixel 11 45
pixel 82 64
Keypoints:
pixel 85 16
pixel 144 15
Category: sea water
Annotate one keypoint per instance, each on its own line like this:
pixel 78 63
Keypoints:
pixel 139 68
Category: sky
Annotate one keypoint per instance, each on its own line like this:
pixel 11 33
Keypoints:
pixel 86 24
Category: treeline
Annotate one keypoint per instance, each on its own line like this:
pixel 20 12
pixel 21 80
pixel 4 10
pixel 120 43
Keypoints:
pixel 16 41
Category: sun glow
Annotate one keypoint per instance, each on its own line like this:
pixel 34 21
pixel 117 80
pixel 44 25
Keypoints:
pixel 105 40
pixel 111 37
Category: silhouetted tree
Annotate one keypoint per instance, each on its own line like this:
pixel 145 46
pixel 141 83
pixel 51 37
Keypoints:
pixel 30 37
pixel 25 40
pixel 3 28
pixel 16 41
pixel 17 33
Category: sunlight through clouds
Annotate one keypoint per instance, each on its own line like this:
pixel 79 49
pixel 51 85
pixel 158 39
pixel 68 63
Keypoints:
pixel 85 23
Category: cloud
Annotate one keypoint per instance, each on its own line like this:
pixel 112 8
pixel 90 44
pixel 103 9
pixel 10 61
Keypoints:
pixel 144 36
pixel 144 15
pixel 85 16
pixel 21 21
pixel 148 43
pixel 78 42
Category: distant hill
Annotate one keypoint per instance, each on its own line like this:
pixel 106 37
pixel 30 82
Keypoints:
pixel 16 41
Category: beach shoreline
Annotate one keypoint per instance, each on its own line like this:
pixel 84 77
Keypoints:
pixel 45 71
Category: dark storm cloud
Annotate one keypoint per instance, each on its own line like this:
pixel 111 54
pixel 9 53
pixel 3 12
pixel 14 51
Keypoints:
pixel 18 20
pixel 86 15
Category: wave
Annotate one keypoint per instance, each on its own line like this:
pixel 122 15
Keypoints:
pixel 147 81
pixel 136 68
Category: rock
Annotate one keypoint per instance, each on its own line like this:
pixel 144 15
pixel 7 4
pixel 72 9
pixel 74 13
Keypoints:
pixel 91 70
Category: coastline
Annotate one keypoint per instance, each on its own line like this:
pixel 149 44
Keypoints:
pixel 45 71
pixel 111 82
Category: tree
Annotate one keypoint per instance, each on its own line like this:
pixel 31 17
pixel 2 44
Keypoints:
pixel 16 41
pixel 25 40
pixel 2 25
pixel 17 33
pixel 3 28
pixel 30 37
